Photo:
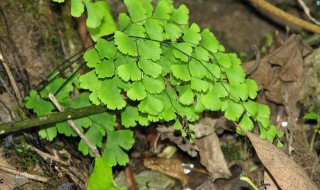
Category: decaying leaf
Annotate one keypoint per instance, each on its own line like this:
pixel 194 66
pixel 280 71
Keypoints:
pixel 212 157
pixel 170 167
pixel 287 173
pixel 183 144
pixel 205 126
pixel 285 64
pixel 269 182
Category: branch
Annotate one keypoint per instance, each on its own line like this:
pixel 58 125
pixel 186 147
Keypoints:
pixel 14 126
pixel 285 16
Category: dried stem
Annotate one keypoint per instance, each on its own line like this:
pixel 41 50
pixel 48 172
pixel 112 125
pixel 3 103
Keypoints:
pixel 285 16
pixel 23 174
pixel 75 128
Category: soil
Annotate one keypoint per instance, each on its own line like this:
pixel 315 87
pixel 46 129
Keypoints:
pixel 44 36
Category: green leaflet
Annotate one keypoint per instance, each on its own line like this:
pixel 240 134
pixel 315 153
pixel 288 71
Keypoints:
pixel 311 116
pixel 263 115
pixel 168 113
pixel 201 53
pixel 199 85
pixel 149 49
pixel 105 69
pixel 182 51
pixel 180 15
pixel 95 137
pixel 136 10
pixel 252 88
pixel 197 69
pixel 124 21
pixel 117 142
pixel 77 8
pixel 108 26
pixel 181 72
pixel 235 74
pixel 163 9
pixel 102 177
pixel 129 71
pixel 48 133
pixel 90 81
pixel 95 13
pixel 224 60
pixel 150 68
pixel 136 30
pixel 109 94
pixel 211 100
pixel 153 86
pixel 192 34
pixel 154 29
pixel 151 105
pixel 239 91
pixel 186 95
pixel 130 116
pixel 39 105
pixel 172 31
pixel 234 111
pixel 177 125
pixel 209 42
pixel 125 44
pixel 106 49
pixel 137 91
pixel 92 57
pixel 246 123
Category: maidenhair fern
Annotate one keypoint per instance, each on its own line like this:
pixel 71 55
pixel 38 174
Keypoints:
pixel 156 68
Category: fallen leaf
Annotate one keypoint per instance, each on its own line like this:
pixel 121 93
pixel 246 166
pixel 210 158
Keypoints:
pixel 183 144
pixel 212 157
pixel 170 167
pixel 287 173
pixel 269 182
pixel 283 65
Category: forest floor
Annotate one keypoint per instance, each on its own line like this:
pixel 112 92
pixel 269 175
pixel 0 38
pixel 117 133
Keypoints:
pixel 44 35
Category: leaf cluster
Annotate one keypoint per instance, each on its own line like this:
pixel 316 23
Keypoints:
pixel 158 68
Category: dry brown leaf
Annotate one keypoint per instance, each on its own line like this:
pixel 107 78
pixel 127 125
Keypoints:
pixel 269 182
pixel 283 65
pixel 183 144
pixel 205 126
pixel 287 173
pixel 170 167
pixel 212 157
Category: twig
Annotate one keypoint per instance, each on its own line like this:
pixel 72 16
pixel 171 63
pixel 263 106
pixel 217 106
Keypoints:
pixel 130 178
pixel 47 156
pixel 75 128
pixel 13 126
pixel 11 79
pixel 307 11
pixel 285 16
pixel 23 174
